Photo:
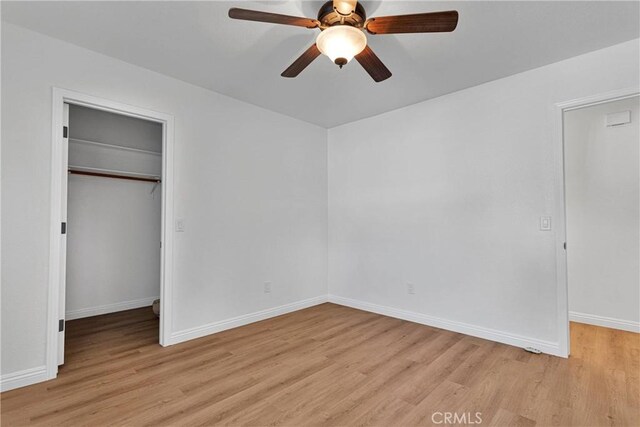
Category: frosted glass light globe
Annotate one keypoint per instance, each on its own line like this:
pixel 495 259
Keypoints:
pixel 341 43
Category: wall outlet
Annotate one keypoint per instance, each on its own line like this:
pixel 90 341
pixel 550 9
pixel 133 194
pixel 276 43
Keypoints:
pixel 267 287
pixel 411 290
pixel 180 225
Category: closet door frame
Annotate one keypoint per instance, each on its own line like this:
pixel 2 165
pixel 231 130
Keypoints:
pixel 58 174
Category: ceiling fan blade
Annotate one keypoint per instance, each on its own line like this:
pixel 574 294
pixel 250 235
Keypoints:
pixel 273 18
pixel 302 62
pixel 434 22
pixel 372 65
pixel 345 7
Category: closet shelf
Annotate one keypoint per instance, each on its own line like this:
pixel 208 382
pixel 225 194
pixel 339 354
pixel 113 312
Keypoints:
pixel 115 147
pixel 109 173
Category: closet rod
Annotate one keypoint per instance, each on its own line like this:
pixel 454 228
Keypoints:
pixel 110 175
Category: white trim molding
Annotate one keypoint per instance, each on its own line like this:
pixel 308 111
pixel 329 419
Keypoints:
pixel 605 322
pixel 109 308
pixel 234 322
pixel 23 378
pixel 463 328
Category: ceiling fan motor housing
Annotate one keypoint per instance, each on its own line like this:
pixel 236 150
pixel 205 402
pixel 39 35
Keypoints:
pixel 328 16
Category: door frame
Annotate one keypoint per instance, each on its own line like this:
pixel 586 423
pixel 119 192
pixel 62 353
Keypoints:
pixel 60 97
pixel 564 339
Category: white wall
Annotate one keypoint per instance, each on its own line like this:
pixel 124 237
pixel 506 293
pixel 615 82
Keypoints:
pixel 251 185
pixel 602 175
pixel 113 225
pixel 447 194
pixel 113 246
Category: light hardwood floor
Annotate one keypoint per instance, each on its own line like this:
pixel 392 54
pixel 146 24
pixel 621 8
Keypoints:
pixel 327 365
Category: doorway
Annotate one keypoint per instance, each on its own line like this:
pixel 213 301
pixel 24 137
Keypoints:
pixel 96 168
pixel 602 200
pixel 113 192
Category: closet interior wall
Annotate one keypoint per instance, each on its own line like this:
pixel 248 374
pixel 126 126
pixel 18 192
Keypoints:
pixel 113 242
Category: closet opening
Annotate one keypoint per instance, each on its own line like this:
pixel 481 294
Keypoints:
pixel 111 248
pixel 113 218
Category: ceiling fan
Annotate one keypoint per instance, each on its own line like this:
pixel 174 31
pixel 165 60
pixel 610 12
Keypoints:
pixel 343 24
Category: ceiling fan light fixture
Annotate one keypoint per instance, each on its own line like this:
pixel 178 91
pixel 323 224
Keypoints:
pixel 341 43
pixel 343 24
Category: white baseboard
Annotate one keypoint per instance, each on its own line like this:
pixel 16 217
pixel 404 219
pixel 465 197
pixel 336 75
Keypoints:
pixel 109 308
pixel 548 347
pixel 234 322
pixel 607 322
pixel 23 378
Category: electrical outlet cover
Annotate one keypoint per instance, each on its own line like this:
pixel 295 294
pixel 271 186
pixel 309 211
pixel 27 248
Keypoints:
pixel 545 223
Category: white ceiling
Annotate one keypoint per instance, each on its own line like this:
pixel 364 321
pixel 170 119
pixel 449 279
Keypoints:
pixel 197 42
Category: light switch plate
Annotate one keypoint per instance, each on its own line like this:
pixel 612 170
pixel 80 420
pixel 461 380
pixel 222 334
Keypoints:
pixel 180 225
pixel 545 223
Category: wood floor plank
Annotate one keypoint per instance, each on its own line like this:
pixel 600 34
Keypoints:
pixel 327 366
